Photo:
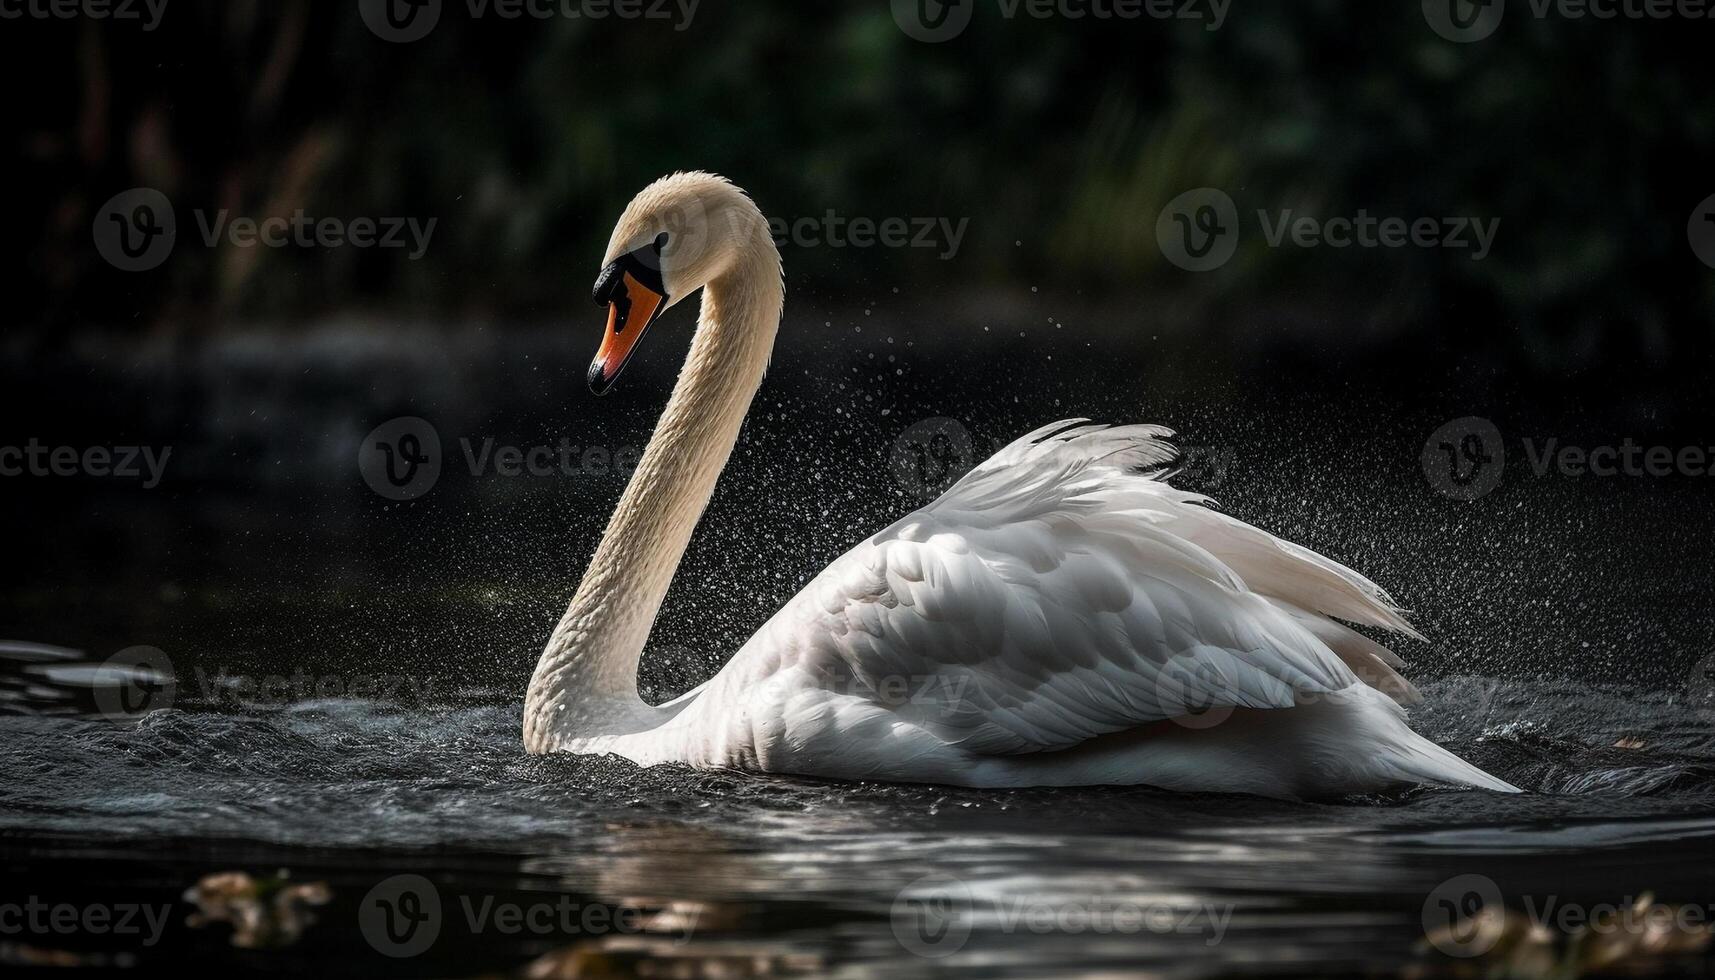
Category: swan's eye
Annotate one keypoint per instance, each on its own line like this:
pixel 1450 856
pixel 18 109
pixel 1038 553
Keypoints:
pixel 644 263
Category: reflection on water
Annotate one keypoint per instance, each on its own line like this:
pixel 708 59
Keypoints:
pixel 561 865
pixel 266 912
pixel 1641 937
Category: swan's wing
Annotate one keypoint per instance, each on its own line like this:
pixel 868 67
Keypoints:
pixel 1062 590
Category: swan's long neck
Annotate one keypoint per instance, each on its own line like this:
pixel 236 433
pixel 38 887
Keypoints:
pixel 586 682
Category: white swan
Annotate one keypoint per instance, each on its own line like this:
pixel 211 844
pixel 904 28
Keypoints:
pixel 1060 616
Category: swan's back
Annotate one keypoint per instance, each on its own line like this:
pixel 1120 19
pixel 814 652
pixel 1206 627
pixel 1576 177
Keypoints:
pixel 1060 599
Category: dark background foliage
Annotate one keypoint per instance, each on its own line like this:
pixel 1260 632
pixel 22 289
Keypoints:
pixel 1061 141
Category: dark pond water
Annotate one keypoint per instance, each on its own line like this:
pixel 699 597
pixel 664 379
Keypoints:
pixel 349 669
pixel 823 877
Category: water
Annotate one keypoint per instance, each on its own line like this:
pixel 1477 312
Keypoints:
pixel 354 792
pixel 350 671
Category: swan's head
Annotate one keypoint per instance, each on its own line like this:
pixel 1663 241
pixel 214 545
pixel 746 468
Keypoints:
pixel 681 233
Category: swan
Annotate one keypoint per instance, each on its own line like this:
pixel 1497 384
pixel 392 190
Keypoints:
pixel 1061 616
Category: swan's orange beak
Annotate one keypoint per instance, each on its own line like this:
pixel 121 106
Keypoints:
pixel 632 292
pixel 632 309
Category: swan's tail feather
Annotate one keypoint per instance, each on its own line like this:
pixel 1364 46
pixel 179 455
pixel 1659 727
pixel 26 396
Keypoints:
pixel 1369 733
pixel 1409 757
pixel 1422 761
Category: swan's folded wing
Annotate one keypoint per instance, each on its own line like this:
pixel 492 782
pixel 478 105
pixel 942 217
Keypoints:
pixel 1050 597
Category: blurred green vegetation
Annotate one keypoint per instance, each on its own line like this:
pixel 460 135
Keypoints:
pixel 1060 139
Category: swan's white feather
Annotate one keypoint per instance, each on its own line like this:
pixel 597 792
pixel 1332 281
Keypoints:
pixel 1059 594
